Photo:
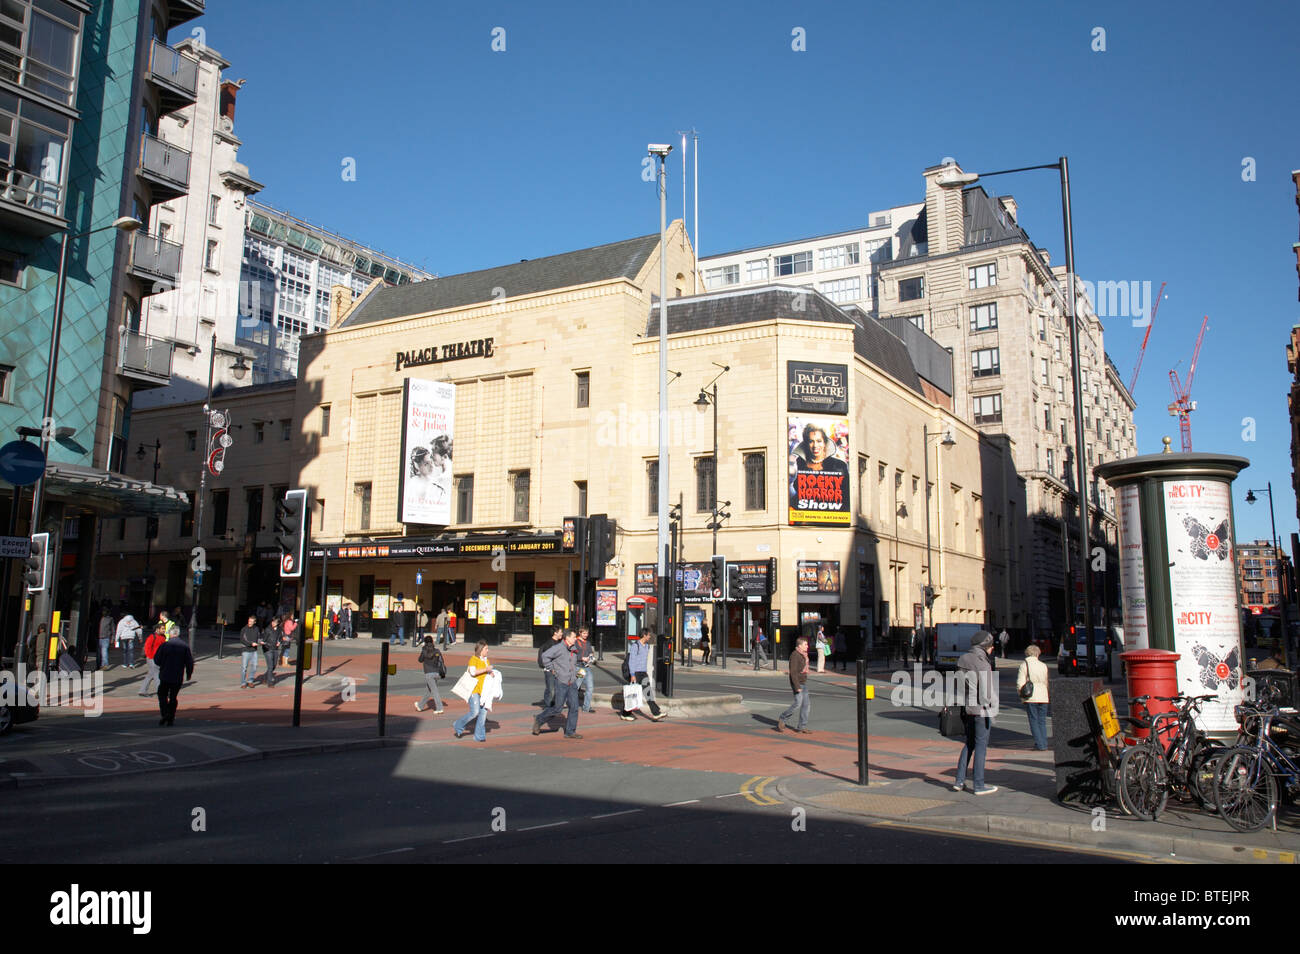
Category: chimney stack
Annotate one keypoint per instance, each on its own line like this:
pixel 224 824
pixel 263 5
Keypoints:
pixel 229 90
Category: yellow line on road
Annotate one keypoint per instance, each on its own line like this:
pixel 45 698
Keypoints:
pixel 755 793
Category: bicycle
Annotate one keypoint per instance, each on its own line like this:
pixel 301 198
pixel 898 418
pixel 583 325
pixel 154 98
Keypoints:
pixel 1151 770
pixel 1246 777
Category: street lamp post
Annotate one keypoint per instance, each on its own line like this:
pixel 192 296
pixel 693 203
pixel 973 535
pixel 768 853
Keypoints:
pixel 1281 575
pixel 1062 166
pixel 928 596
pixel 239 369
pixel 661 150
pixel 709 396
pixel 125 224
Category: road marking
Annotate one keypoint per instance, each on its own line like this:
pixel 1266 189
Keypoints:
pixel 380 854
pixel 754 793
pixel 630 811
pixel 536 827
pixel 729 795
pixel 239 745
pixel 452 841
pixel 689 801
pixel 727 685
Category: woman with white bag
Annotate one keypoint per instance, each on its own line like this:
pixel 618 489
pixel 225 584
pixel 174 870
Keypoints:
pixel 470 688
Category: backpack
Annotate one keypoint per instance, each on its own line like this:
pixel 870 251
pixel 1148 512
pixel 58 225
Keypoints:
pixel 442 664
pixel 541 649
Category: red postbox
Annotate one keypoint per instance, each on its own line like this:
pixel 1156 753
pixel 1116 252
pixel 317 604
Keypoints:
pixel 1151 672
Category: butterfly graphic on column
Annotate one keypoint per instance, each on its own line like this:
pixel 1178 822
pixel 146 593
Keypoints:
pixel 1216 672
pixel 1204 541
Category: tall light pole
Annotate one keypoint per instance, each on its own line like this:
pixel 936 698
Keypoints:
pixel 660 151
pixel 1062 166
pixel 706 398
pixel 239 369
pixel 148 540
pixel 126 224
pixel 1281 570
pixel 928 596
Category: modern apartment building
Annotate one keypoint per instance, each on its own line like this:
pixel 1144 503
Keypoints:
pixel 82 89
pixel 289 270
pixel 1259 569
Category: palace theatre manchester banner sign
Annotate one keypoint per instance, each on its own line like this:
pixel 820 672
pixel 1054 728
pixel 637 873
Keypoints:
pixel 817 439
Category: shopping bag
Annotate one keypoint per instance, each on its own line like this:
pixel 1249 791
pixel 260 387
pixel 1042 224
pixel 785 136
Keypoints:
pixel 632 697
pixel 465 685
pixel 951 724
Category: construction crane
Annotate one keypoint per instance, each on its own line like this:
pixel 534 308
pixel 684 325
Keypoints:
pixel 1183 405
pixel 1132 382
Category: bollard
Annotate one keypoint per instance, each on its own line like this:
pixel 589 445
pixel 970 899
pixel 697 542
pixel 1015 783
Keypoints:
pixel 297 683
pixel 383 684
pixel 865 692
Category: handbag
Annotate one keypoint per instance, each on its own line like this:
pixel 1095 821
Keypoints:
pixel 632 697
pixel 1027 689
pixel 951 724
pixel 465 685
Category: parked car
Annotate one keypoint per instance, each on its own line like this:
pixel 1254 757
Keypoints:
pixel 1072 660
pixel 18 704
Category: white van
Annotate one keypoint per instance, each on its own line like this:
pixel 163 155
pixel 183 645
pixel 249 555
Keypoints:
pixel 953 642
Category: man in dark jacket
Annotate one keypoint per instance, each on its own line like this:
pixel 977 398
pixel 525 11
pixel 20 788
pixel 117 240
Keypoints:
pixel 175 664
pixel 799 685
pixel 548 696
pixel 560 659
pixel 980 700
pixel 250 638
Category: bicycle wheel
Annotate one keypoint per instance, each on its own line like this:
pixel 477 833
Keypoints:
pixel 1143 778
pixel 1244 789
pixel 1201 770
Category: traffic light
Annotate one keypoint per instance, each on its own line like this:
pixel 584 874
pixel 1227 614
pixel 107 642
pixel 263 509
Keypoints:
pixel 735 585
pixel 601 533
pixel 929 596
pixel 719 572
pixel 34 568
pixel 291 531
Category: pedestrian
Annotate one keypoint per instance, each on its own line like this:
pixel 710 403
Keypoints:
pixel 636 670
pixel 175 665
pixel 977 714
pixel 823 648
pixel 398 635
pixel 704 640
pixel 345 621
pixel 159 636
pixel 451 624
pixel 440 626
pixel 479 667
pixel 562 660
pixel 1003 639
pixel 434 669
pixel 127 632
pixel 250 638
pixel 1034 671
pixel 799 686
pixel 760 646
pixel 548 694
pixel 586 663
pixel 263 614
pixel 908 642
pixel 271 639
pixel 105 638
pixel 422 621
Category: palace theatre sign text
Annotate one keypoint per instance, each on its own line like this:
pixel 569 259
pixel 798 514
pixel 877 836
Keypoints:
pixel 478 348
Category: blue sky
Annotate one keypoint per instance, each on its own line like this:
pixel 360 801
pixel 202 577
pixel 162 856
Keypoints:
pixel 468 158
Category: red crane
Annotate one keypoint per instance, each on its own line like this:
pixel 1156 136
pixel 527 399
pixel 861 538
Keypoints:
pixel 1132 382
pixel 1183 405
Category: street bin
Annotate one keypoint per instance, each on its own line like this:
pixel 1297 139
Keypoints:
pixel 663 659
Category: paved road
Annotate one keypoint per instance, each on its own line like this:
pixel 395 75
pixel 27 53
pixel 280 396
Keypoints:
pixel 447 801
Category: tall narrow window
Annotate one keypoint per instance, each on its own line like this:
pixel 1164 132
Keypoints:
pixel 214 208
pixel 220 512
pixel 324 420
pixel 581 486
pixel 363 505
pixel 187 518
pixel 706 488
pixel 520 484
pixel 652 487
pixel 756 481
pixel 465 498
pixel 210 257
pixel 584 389
pixel 253 502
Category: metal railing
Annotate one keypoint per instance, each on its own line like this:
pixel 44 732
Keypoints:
pixel 143 354
pixel 174 67
pixel 31 191
pixel 158 257
pixel 165 161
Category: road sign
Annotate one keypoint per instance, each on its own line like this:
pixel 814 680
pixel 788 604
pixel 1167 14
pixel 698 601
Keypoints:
pixel 21 463
pixel 198 577
pixel 419 577
pixel 15 548
pixel 717 593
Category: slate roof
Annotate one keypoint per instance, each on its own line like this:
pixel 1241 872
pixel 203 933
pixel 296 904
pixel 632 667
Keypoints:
pixel 602 262
pixel 870 339
pixel 980 211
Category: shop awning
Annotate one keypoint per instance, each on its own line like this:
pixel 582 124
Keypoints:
pixel 112 494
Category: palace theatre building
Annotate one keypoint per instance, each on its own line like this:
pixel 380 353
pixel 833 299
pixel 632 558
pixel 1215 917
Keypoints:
pixel 446 429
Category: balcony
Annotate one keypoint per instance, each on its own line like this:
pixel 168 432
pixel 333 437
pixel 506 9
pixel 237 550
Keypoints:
pixel 174 74
pixel 155 259
pixel 182 11
pixel 30 205
pixel 145 359
pixel 166 167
